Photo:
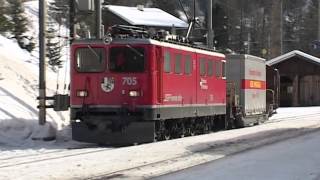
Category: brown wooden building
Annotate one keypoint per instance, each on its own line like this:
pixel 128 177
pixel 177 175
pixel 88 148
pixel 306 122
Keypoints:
pixel 299 79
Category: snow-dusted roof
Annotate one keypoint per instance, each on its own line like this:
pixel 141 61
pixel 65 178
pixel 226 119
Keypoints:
pixel 146 17
pixel 291 54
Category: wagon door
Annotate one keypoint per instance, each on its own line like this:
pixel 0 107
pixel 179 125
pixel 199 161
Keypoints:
pixel 159 70
pixel 202 86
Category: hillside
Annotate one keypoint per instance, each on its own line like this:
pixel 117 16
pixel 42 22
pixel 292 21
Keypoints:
pixel 19 90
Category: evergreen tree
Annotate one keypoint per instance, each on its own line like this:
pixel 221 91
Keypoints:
pixel 53 46
pixel 19 27
pixel 220 21
pixel 59 11
pixel 5 25
pixel 309 40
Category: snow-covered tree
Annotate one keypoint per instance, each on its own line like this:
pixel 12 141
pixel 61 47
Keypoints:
pixel 53 46
pixel 19 24
pixel 5 24
pixel 59 11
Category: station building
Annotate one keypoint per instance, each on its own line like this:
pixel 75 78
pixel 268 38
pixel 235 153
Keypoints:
pixel 299 79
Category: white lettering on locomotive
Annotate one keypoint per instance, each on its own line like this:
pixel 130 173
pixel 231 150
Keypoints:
pixel 203 84
pixel 130 81
pixel 172 98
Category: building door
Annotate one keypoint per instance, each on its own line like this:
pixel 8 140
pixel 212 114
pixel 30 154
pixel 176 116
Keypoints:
pixel 286 91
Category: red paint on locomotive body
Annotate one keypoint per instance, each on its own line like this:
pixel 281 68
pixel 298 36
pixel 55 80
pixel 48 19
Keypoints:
pixel 131 90
pixel 123 82
pixel 153 86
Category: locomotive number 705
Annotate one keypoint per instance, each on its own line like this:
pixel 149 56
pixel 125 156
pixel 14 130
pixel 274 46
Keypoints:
pixel 130 81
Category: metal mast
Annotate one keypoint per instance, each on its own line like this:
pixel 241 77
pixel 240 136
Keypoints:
pixel 210 35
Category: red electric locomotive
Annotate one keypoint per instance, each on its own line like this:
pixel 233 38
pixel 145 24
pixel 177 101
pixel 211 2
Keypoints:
pixel 132 89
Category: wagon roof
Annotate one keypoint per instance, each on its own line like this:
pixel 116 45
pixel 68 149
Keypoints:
pixel 291 54
pixel 146 16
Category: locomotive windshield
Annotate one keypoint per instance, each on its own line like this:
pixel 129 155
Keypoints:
pixel 90 59
pixel 127 59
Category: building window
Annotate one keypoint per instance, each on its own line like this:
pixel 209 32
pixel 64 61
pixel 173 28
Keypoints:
pixel 177 66
pixel 167 62
pixel 188 65
pixel 210 68
pixel 202 67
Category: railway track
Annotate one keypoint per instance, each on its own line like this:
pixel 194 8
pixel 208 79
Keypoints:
pixel 45 156
pixel 11 161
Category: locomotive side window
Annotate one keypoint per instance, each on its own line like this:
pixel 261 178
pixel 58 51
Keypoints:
pixel 90 59
pixel 224 69
pixel 218 69
pixel 210 68
pixel 202 67
pixel 167 62
pixel 177 64
pixel 188 65
pixel 127 59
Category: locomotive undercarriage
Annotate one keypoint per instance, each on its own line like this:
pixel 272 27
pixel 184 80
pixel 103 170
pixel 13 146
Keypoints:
pixel 127 129
pixel 178 128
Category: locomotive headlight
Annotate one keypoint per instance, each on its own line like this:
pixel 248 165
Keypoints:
pixel 134 93
pixel 82 93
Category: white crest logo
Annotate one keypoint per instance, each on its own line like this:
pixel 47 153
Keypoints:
pixel 108 84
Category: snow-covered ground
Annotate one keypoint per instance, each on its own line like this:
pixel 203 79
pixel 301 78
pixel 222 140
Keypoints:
pixel 48 161
pixel 19 90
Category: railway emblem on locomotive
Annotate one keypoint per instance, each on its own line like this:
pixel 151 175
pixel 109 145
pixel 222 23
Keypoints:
pixel 107 84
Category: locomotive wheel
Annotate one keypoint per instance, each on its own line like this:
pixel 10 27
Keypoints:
pixel 192 133
pixel 167 136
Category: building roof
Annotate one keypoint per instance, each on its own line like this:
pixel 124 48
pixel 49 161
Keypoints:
pixel 146 16
pixel 291 54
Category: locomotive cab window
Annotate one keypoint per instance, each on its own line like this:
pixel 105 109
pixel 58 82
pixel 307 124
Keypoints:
pixel 224 69
pixel 127 59
pixel 90 59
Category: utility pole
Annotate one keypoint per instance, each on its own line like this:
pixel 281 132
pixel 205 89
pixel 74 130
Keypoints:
pixel 318 19
pixel 42 62
pixel 99 19
pixel 249 42
pixel 281 27
pixel 71 21
pixel 210 34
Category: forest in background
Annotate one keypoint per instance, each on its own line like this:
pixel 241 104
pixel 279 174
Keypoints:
pixel 259 27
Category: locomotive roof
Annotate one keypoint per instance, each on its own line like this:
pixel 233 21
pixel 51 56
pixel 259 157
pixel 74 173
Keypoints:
pixel 245 56
pixel 133 41
pixel 291 54
pixel 146 16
